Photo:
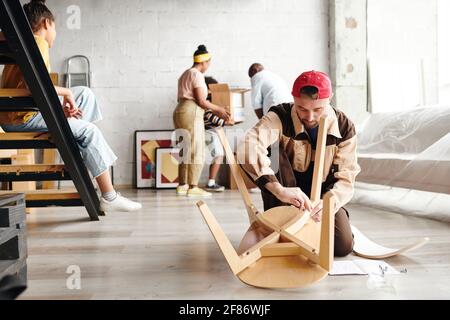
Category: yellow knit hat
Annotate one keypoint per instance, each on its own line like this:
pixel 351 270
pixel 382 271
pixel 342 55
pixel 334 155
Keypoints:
pixel 202 54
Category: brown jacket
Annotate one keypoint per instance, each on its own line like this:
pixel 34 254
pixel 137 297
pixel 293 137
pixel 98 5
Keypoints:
pixel 282 125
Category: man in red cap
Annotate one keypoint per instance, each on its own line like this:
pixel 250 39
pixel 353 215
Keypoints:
pixel 294 126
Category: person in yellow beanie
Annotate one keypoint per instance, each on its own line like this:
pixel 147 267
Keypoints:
pixel 188 115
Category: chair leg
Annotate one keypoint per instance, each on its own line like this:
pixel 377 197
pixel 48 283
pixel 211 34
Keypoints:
pixel 222 240
pixel 326 252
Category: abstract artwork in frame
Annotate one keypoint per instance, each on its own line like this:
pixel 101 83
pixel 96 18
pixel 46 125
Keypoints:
pixel 167 161
pixel 146 143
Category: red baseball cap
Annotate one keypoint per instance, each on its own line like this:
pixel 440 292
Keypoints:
pixel 317 79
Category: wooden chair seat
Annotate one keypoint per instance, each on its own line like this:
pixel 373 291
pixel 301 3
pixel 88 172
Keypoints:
pixel 283 265
pixel 282 272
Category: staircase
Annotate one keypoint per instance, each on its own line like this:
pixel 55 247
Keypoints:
pixel 17 46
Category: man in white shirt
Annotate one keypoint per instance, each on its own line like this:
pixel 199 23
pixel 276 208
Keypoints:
pixel 268 89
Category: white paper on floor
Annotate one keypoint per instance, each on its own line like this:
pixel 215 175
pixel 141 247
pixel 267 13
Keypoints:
pixel 361 267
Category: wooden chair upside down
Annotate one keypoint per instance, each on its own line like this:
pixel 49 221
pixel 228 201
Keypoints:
pixel 298 251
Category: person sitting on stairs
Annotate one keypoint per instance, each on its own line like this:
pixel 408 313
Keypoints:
pixel 80 107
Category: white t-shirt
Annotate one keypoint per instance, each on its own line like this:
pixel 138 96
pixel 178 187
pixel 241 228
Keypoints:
pixel 268 90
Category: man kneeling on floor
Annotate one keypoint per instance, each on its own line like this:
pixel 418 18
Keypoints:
pixel 294 126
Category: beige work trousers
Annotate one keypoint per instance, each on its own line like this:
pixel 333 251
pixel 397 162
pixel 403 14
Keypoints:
pixel 189 116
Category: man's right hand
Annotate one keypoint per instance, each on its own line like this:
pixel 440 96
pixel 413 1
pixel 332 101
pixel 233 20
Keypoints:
pixel 293 196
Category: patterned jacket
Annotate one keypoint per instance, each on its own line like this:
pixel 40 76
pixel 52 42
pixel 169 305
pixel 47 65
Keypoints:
pixel 282 125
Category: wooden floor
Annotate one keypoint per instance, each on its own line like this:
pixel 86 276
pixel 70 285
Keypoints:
pixel 166 251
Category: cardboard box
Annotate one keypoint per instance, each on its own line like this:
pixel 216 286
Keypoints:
pixel 232 99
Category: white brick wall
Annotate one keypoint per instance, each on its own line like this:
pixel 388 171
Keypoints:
pixel 139 48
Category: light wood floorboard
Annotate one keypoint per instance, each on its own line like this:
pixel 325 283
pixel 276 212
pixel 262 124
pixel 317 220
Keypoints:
pixel 166 251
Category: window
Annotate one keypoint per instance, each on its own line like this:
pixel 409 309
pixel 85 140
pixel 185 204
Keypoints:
pixel 443 16
pixel 408 50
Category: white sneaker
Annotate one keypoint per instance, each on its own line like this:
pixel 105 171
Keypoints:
pixel 120 203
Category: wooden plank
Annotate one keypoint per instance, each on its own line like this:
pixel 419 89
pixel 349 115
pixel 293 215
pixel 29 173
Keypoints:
pixel 281 249
pixel 270 239
pixel 55 78
pixel 14 93
pixel 305 249
pixel 326 252
pixel 253 254
pixel 234 168
pixel 21 136
pixel 7 154
pixel 39 195
pixel 30 168
pixel 51 195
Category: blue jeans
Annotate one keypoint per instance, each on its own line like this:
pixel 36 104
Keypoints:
pixel 94 149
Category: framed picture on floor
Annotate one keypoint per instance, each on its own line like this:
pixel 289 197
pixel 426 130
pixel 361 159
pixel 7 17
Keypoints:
pixel 167 162
pixel 146 143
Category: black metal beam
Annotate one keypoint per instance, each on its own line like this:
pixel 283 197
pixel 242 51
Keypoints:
pixel 6 60
pixel 35 176
pixel 21 42
pixel 17 104
pixel 6 56
pixel 5 50
pixel 58 203
pixel 26 144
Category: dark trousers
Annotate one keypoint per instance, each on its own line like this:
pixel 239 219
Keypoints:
pixel 343 237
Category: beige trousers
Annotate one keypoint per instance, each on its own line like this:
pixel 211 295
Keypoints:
pixel 189 116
